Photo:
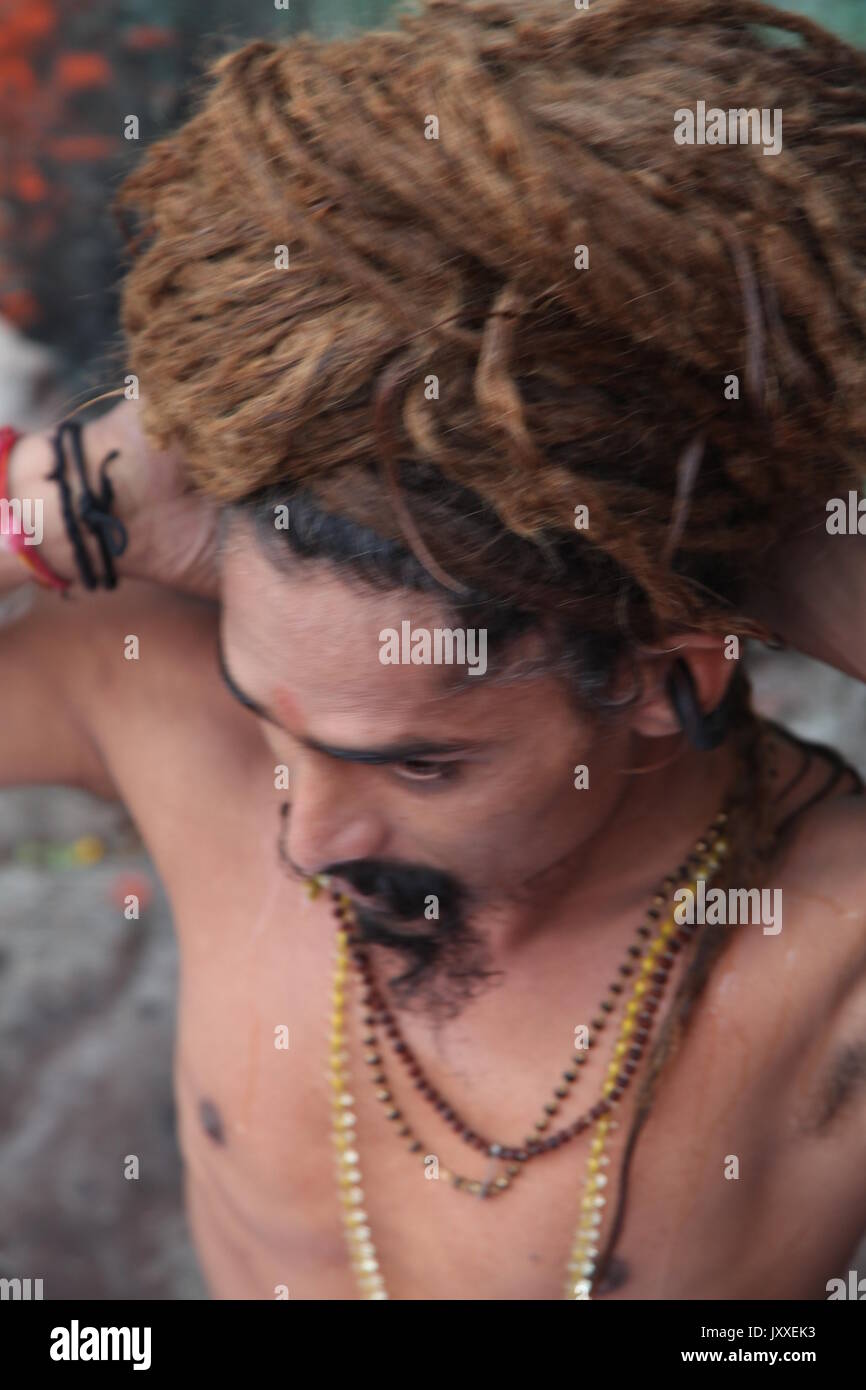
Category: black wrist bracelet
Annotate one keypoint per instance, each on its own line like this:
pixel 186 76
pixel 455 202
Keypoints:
pixel 58 475
pixel 93 508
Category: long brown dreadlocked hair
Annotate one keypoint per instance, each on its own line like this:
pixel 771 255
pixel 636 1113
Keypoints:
pixel 419 263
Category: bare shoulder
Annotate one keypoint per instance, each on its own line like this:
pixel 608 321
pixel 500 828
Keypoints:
pixel 792 980
pixel 818 972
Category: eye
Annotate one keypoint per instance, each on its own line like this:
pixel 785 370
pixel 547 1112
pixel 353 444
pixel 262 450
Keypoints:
pixel 421 770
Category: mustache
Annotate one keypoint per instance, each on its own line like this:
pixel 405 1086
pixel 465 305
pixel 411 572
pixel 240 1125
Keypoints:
pixel 403 889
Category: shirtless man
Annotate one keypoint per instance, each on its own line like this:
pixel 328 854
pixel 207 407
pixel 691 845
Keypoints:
pixel 261 655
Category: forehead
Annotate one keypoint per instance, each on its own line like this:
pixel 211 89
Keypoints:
pixel 305 639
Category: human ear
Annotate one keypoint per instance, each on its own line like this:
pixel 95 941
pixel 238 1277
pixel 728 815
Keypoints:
pixel 683 686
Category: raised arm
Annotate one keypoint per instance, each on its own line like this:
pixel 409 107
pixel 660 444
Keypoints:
pixel 49 667
pixel 814 596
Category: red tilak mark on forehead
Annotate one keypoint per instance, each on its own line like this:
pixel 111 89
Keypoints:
pixel 287 710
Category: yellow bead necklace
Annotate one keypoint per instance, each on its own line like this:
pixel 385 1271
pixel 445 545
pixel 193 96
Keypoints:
pixel 585 1247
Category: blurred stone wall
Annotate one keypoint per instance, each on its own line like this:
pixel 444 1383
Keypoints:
pixel 69 75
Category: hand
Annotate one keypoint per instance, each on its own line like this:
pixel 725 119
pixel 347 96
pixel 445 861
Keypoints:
pixel 172 529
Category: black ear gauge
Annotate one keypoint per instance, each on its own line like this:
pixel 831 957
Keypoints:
pixel 704 731
pixel 285 807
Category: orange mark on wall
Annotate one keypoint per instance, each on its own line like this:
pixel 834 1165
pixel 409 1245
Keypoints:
pixel 75 71
pixel 17 78
pixel 143 38
pixel 28 183
pixel 20 307
pixel 25 21
pixel 82 146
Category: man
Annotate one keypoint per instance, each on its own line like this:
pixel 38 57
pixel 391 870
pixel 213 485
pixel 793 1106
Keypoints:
pixel 488 471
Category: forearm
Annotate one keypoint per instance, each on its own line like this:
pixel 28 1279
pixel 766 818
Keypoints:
pixel 816 598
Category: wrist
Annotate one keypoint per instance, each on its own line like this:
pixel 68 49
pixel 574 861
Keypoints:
pixel 99 438
pixel 34 522
pixel 170 530
pixel 40 535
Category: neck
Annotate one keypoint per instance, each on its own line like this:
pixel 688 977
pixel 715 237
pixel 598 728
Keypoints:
pixel 652 825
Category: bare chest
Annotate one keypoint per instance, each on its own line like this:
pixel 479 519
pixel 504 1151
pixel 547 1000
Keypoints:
pixel 255 1117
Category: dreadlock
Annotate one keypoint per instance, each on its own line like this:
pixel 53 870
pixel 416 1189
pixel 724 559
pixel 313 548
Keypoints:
pixel 344 230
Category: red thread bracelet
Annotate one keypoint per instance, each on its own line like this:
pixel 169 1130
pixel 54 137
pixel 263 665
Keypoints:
pixel 14 540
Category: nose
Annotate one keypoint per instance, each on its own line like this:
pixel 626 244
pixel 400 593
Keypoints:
pixel 331 819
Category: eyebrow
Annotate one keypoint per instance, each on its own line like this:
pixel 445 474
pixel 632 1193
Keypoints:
pixel 400 752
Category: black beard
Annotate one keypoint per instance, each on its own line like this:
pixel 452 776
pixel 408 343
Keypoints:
pixel 446 960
